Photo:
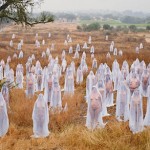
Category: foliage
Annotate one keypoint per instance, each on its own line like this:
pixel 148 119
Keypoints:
pixel 95 26
pixel 133 28
pixel 106 27
pixel 68 16
pixel 21 12
pixel 132 20
pixel 148 28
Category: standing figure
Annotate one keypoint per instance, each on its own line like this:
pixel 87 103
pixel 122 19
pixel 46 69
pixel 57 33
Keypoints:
pixel 79 77
pixel 90 82
pixel 5 93
pixel 56 102
pixel 4 122
pixel 48 88
pixel 136 112
pixel 30 85
pixel 1 72
pixel 102 90
pixel 69 81
pixel 40 117
pixel 39 80
pixel 145 82
pixel 19 79
pixel 94 111
pixel 147 116
pixel 122 102
pixel 109 91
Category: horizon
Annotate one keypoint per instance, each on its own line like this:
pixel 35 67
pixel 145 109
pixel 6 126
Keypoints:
pixel 95 5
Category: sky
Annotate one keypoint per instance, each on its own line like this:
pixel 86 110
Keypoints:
pixel 115 5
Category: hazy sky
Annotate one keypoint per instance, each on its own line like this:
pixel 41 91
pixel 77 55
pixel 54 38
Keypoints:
pixel 71 5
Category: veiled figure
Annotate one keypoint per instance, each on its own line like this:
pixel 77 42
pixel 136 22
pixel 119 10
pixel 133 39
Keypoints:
pixel 136 112
pixel 19 79
pixel 1 72
pixel 102 90
pixel 4 122
pixel 94 111
pixel 109 91
pixel 39 80
pixel 79 76
pixel 40 117
pixel 5 93
pixel 90 82
pixel 145 82
pixel 30 85
pixel 48 88
pixel 147 116
pixel 56 96
pixel 69 81
pixel 122 102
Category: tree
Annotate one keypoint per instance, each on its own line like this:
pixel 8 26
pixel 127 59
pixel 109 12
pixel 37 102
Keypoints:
pixel 148 28
pixel 132 20
pixel 133 28
pixel 21 12
pixel 95 26
pixel 106 27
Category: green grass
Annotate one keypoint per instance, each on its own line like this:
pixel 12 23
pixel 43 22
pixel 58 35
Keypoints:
pixel 112 23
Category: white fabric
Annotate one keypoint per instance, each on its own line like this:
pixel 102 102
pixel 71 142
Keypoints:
pixel 56 96
pixel 122 102
pixel 40 118
pixel 69 81
pixel 79 76
pixel 30 85
pixel 147 116
pixel 4 122
pixel 136 112
pixel 102 90
pixel 94 110
pixel 90 82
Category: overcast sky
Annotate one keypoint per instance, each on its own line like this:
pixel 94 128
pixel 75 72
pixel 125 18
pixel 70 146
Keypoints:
pixel 118 5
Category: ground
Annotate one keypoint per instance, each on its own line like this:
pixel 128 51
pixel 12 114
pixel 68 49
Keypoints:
pixel 68 131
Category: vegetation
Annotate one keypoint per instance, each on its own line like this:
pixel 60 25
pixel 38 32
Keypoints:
pixel 21 12
pixel 133 28
pixel 132 20
pixel 148 28
pixel 106 27
pixel 95 26
pixel 67 129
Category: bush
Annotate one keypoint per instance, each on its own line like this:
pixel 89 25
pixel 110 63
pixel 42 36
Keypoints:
pixel 133 28
pixel 79 28
pixel 106 27
pixel 148 28
pixel 91 27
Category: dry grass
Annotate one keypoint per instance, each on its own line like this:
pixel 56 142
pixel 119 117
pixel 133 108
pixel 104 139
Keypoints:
pixel 68 131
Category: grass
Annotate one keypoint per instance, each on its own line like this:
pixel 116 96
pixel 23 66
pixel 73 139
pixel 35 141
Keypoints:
pixel 68 131
pixel 112 23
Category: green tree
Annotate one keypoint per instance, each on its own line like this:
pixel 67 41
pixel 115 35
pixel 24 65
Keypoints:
pixel 106 27
pixel 95 26
pixel 133 28
pixel 148 28
pixel 21 12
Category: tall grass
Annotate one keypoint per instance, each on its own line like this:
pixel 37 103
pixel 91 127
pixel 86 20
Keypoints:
pixel 68 131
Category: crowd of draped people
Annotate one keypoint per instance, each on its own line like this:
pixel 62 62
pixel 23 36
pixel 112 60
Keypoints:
pixel 132 84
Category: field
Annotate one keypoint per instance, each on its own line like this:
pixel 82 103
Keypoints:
pixel 68 131
pixel 112 22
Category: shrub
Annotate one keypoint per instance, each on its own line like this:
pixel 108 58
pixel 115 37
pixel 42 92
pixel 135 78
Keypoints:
pixel 92 27
pixel 106 27
pixel 148 28
pixel 133 28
